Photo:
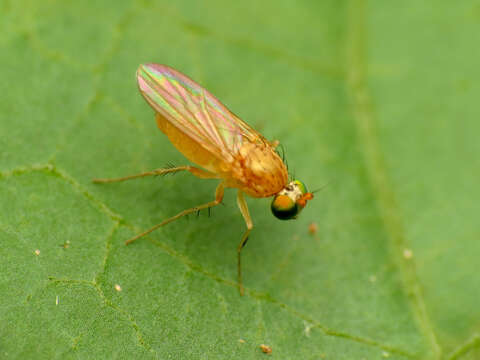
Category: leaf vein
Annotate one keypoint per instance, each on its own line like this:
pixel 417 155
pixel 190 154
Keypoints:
pixel 365 122
pixel 472 343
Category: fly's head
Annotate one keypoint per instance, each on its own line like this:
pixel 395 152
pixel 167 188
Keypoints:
pixel 291 200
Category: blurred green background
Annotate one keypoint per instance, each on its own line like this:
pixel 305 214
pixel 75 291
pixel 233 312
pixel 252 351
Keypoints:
pixel 378 99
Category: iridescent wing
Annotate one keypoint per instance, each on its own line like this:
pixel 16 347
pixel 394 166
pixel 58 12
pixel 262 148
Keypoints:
pixel 194 111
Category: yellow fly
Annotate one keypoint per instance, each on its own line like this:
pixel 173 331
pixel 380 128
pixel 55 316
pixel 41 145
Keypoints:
pixel 228 149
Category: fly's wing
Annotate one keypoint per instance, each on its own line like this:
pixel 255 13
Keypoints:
pixel 194 111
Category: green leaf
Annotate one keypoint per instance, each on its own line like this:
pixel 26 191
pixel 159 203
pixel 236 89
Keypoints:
pixel 378 100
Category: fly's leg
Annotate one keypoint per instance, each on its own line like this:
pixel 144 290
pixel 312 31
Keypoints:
pixel 274 144
pixel 195 171
pixel 242 204
pixel 218 200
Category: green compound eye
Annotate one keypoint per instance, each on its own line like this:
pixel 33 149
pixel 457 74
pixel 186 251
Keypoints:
pixel 301 186
pixel 284 208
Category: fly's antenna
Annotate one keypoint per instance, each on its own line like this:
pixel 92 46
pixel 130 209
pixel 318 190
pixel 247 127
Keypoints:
pixel 321 187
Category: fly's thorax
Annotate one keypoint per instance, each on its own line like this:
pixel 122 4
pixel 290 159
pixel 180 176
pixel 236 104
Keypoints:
pixel 258 170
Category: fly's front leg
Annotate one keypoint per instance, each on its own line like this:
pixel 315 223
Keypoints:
pixel 274 144
pixel 242 205
pixel 218 200
pixel 195 171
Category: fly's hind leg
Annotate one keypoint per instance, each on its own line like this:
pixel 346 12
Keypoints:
pixel 242 204
pixel 218 200
pixel 195 171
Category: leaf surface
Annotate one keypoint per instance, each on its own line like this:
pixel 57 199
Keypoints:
pixel 377 100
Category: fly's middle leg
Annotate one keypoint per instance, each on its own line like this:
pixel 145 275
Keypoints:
pixel 242 205
pixel 218 199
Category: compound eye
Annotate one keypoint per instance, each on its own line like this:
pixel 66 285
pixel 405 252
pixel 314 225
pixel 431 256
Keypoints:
pixel 301 186
pixel 284 208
